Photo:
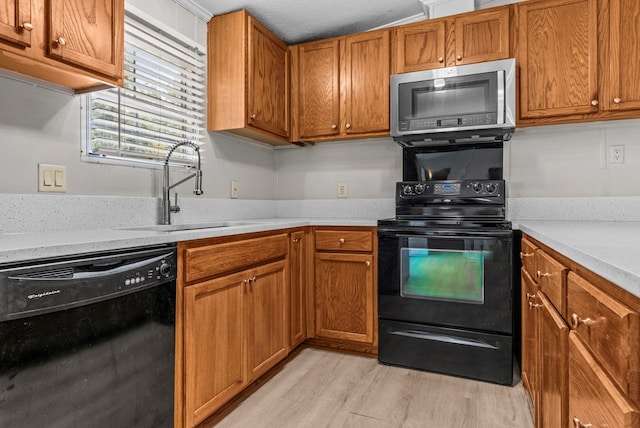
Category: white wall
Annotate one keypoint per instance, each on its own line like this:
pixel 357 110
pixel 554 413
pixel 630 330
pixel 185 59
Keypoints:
pixel 39 125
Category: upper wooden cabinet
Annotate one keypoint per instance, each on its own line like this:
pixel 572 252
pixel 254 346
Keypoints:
pixel 248 79
pixel 15 22
pixel 341 87
pixel 578 60
pixel 83 33
pixel 558 57
pixel 72 43
pixel 624 51
pixel 462 39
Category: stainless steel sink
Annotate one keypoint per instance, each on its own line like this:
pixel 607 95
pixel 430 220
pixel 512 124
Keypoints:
pixel 192 226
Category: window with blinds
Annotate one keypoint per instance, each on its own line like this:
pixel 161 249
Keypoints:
pixel 161 103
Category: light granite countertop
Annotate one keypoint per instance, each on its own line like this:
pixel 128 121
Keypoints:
pixel 610 249
pixel 23 247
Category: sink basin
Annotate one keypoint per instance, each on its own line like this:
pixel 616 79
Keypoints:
pixel 192 226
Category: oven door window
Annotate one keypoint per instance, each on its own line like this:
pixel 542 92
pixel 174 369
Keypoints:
pixel 441 273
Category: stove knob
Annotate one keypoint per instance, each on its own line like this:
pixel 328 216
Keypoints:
pixel 477 187
pixel 407 189
pixel 165 269
pixel 491 187
pixel 420 188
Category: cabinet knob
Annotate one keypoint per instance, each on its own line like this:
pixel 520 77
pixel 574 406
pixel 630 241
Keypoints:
pixel 27 26
pixel 617 100
pixel 459 57
pixel 578 424
pixel 368 263
pixel 542 274
pixel 534 305
pixel 440 59
pixel 576 321
pixel 61 41
pixel 253 116
pixel 594 102
pixel 348 126
pixel 341 240
pixel 334 126
pixel 526 254
pixel 530 296
pixel 296 240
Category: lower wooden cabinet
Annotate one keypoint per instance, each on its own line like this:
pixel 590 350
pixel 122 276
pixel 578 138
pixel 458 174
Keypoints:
pixel 594 399
pixel 344 297
pixel 214 345
pixel 580 345
pixel 552 359
pixel 344 289
pixel 297 288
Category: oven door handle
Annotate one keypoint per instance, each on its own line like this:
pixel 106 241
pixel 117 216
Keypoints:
pixel 456 233
pixel 423 335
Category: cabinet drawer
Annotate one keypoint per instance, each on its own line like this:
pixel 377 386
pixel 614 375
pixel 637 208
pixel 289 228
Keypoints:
pixel 593 398
pixel 528 257
pixel 552 278
pixel 344 240
pixel 211 260
pixel 609 328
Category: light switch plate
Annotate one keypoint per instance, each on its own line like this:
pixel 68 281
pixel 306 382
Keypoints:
pixel 52 178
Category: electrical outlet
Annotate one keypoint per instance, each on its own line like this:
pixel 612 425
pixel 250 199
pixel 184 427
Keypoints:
pixel 342 190
pixel 234 189
pixel 616 154
pixel 52 178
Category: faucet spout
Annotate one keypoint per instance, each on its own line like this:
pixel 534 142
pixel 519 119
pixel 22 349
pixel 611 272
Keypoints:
pixel 167 208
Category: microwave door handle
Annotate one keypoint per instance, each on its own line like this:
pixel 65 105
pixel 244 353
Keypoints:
pixel 501 96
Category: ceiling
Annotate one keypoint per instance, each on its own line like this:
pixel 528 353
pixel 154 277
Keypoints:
pixel 296 21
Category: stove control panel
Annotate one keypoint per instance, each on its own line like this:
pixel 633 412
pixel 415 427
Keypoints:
pixel 460 189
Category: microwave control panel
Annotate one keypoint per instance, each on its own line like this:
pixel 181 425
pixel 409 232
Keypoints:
pixel 451 122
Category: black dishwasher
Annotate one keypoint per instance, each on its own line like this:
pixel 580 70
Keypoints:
pixel 89 341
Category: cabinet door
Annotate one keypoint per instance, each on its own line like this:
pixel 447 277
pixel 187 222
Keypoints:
pixel 594 401
pixel 319 88
pixel 15 21
pixel 297 294
pixel 610 329
pixel 88 34
pixel 419 46
pixel 482 36
pixel 624 30
pixel 553 333
pixel 366 83
pixel 557 56
pixel 344 296
pixel 267 332
pixel 214 345
pixel 268 80
pixel 530 337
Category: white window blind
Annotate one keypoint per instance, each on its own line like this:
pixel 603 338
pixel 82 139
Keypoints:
pixel 161 103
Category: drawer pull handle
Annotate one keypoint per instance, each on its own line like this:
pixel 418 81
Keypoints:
pixel 543 274
pixel 578 424
pixel 534 305
pixel 576 321
pixel 526 254
pixel 342 240
pixel 530 296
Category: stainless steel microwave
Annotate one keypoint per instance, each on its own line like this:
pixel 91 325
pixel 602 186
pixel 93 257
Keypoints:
pixel 468 102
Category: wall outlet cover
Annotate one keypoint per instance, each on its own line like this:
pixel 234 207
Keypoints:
pixel 234 189
pixel 342 190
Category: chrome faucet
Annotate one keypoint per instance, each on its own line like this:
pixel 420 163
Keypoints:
pixel 167 208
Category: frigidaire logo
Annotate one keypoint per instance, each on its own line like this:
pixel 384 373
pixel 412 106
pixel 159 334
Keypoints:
pixel 46 293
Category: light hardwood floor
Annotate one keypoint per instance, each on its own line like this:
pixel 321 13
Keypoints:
pixel 320 388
